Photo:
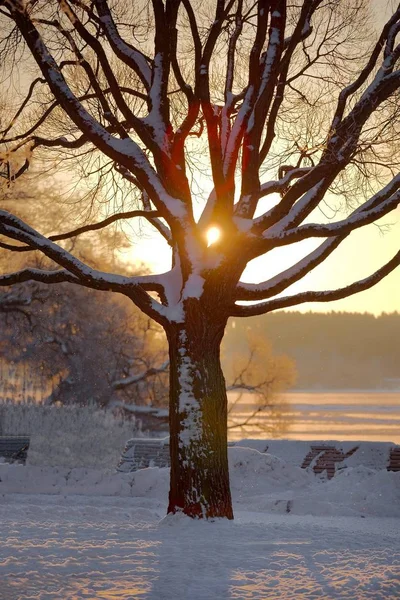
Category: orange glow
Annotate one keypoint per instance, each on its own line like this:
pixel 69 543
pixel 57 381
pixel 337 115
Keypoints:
pixel 213 235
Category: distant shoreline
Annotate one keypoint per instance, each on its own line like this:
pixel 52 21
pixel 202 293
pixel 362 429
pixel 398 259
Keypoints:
pixel 360 391
pixel 344 391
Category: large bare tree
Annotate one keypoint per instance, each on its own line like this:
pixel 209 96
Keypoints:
pixel 295 105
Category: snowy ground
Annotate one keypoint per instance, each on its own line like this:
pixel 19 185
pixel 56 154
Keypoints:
pixel 81 533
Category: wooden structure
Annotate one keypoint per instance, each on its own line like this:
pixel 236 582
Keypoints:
pixel 323 458
pixel 14 448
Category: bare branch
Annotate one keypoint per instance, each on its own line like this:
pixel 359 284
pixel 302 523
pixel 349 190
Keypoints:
pixel 58 276
pixel 276 285
pixel 325 296
pixel 378 206
pixel 134 379
pixel 148 214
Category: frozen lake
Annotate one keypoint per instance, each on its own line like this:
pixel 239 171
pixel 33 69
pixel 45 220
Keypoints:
pixel 364 416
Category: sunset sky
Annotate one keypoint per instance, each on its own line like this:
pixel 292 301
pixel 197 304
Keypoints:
pixel 365 251
pixel 360 255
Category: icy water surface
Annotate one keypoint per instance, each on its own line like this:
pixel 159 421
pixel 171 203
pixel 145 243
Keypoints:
pixel 364 416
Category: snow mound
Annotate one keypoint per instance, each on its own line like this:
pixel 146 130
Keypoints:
pixel 264 483
pixel 150 483
pixel 353 491
pixel 260 482
pixel 254 472
pixel 82 481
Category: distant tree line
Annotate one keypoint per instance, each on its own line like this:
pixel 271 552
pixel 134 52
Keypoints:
pixel 334 350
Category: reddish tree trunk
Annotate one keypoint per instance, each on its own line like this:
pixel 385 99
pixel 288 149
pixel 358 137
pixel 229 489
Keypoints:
pixel 199 484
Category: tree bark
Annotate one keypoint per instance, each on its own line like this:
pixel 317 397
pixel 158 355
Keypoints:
pixel 199 485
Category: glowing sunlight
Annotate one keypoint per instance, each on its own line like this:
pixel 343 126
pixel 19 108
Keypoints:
pixel 213 235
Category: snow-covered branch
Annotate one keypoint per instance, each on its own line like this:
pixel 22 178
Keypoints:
pixel 81 273
pixel 251 106
pixel 31 274
pixel 304 196
pixel 277 284
pixel 148 214
pixel 134 379
pixel 386 35
pixel 14 228
pixel 302 31
pixel 378 205
pixel 130 55
pixel 315 296
pixel 123 151
pixel 359 218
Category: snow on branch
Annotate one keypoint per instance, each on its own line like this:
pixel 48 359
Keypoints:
pixel 133 379
pixel 359 218
pixel 271 187
pixel 314 296
pixel 277 219
pixel 340 145
pixel 387 34
pixel 123 151
pixel 134 287
pixel 148 214
pixel 303 28
pixel 13 227
pixel 57 276
pixel 379 204
pixel 242 110
pixel 130 55
pixel 277 284
pixel 274 186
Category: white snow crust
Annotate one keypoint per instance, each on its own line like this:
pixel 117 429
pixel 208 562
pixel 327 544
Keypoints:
pixel 91 533
pixel 260 482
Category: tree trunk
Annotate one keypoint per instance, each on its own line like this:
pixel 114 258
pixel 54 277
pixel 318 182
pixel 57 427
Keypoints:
pixel 199 485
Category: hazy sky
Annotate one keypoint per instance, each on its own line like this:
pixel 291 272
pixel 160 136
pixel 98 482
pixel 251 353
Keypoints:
pixel 363 252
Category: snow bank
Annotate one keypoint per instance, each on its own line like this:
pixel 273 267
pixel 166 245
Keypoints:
pixel 352 492
pixel 370 454
pixel 252 472
pixel 19 479
pixel 259 482
pixel 265 483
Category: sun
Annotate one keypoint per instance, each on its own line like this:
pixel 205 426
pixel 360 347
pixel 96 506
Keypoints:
pixel 213 235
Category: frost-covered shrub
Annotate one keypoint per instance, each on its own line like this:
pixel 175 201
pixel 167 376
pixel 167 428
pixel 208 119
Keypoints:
pixel 69 436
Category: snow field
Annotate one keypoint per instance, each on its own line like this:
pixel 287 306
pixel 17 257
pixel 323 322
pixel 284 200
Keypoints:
pixel 73 548
pixel 259 482
pixel 85 533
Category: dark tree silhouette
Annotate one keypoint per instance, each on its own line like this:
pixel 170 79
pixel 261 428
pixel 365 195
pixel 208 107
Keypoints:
pixel 293 89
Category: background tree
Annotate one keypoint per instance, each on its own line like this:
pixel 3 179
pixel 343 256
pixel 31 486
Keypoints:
pixel 256 379
pixel 72 344
pixel 332 351
pixel 305 97
pixel 76 347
